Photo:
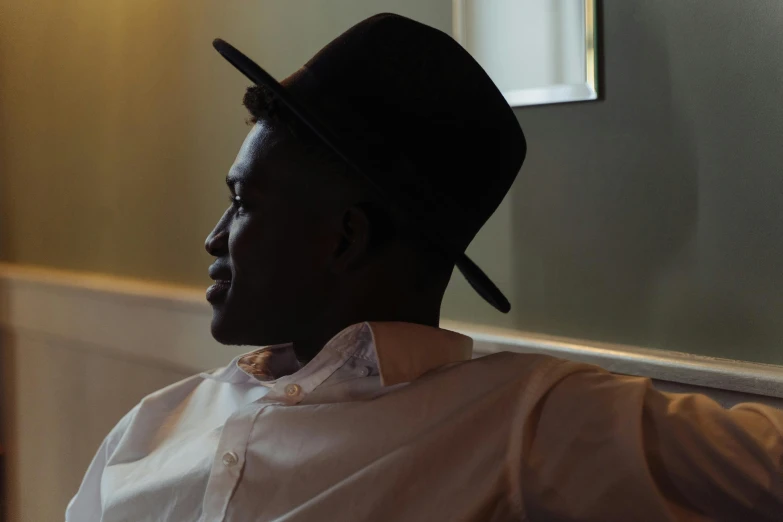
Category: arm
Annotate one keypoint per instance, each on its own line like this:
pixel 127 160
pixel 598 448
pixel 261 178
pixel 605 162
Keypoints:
pixel 611 448
pixel 87 504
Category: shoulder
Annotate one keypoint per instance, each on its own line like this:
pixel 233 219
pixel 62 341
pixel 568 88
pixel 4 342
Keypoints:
pixel 157 405
pixel 179 389
pixel 526 366
pixel 507 373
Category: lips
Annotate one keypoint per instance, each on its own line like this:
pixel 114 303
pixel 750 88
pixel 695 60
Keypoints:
pixel 218 291
pixel 222 277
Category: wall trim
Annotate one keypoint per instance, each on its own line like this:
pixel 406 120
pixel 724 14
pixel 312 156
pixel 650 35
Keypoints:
pixel 664 365
pixel 156 323
pixel 168 325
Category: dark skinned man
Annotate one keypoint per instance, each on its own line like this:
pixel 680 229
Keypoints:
pixel 365 176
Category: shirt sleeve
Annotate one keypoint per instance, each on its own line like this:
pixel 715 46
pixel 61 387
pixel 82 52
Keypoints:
pixel 604 447
pixel 86 505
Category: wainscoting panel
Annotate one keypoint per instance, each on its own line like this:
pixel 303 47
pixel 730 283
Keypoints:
pixel 78 351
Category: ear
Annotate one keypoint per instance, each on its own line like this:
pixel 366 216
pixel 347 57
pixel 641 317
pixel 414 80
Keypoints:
pixel 354 240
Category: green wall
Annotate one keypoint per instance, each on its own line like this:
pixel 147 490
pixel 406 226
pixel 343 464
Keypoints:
pixel 652 217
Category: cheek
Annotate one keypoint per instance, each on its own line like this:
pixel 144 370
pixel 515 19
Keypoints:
pixel 279 251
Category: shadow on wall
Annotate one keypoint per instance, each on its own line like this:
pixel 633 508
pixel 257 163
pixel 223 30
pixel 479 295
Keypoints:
pixel 727 299
pixel 608 198
pixel 653 217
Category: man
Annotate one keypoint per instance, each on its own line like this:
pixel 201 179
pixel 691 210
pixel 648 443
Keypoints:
pixel 362 181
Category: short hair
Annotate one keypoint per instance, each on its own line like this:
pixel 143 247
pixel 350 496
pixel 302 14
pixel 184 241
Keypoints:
pixel 262 104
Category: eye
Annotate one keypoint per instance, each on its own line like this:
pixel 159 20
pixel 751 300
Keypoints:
pixel 237 203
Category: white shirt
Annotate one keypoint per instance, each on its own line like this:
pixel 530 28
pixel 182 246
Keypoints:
pixel 390 421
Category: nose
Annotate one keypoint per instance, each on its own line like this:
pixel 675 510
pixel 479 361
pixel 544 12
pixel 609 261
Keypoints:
pixel 217 240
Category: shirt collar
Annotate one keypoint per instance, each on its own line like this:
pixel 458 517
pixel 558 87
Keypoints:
pixel 401 351
pixel 406 351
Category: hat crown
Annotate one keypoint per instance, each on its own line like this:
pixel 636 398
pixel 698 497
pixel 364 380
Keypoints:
pixel 425 120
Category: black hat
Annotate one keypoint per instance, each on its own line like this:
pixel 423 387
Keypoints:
pixel 410 110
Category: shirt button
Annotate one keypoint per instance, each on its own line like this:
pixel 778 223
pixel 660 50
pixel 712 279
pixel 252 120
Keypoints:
pixel 364 371
pixel 230 458
pixel 292 390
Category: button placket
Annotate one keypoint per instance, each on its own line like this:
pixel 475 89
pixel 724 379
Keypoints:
pixel 230 458
pixel 229 461
pixel 293 390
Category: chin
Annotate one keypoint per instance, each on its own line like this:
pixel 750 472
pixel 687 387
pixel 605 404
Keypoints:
pixel 222 333
pixel 225 328
pixel 223 337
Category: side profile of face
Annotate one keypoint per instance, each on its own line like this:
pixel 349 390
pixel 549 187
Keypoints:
pixel 275 245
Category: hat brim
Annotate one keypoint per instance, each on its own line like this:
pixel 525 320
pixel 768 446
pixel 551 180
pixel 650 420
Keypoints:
pixel 482 284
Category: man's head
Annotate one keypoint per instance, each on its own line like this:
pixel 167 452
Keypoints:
pixel 306 243
pixel 427 147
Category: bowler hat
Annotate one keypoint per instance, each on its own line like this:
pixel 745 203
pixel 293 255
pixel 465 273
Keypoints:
pixel 411 111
